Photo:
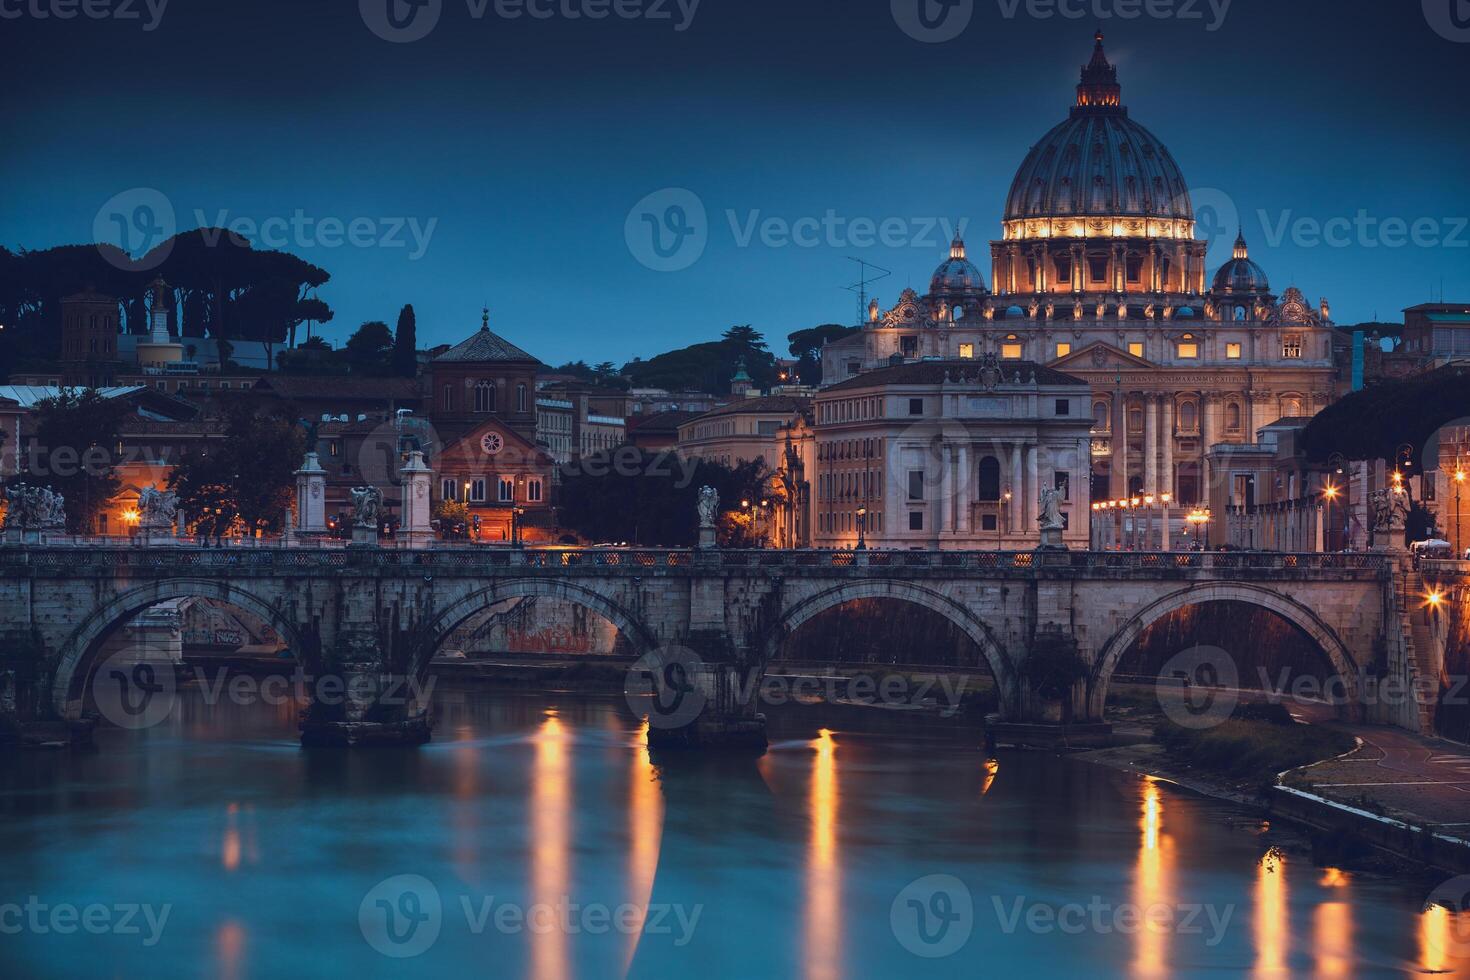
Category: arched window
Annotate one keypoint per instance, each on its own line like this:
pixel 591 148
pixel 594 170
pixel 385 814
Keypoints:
pixel 1102 415
pixel 448 398
pixel 989 486
pixel 1291 406
pixel 1239 314
pixel 484 397
pixel 1188 417
pixel 1232 417
pixel 520 398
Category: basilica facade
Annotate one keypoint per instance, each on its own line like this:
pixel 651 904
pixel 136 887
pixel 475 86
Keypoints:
pixel 1098 274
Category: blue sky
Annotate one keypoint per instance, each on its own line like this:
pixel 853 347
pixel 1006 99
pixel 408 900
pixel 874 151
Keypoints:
pixel 510 152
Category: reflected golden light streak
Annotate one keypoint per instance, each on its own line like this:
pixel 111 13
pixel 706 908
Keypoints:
pixel 229 949
pixel 1152 884
pixel 645 831
pixel 464 818
pixel 1272 926
pixel 1332 939
pixel 230 846
pixel 823 959
pixel 1434 939
pixel 991 768
pixel 551 826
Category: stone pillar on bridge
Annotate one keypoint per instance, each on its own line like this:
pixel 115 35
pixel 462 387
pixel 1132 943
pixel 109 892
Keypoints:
pixel 311 497
pixel 416 502
pixel 1150 443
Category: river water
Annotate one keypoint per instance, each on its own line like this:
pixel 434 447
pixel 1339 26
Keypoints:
pixel 535 838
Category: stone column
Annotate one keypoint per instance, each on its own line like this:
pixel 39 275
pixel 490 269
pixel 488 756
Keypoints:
pixel 1119 479
pixel 1018 490
pixel 1166 483
pixel 416 501
pixel 965 484
pixel 1150 443
pixel 1033 489
pixel 1206 433
pixel 311 496
pixel 946 490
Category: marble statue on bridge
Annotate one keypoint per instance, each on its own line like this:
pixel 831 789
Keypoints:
pixel 34 508
pixel 367 506
pixel 157 508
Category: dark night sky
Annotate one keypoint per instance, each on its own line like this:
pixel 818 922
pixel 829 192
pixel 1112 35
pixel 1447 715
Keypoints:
pixel 529 141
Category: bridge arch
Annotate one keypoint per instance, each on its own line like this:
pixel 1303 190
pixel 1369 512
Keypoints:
pixel 80 648
pixel 1284 606
pixel 451 617
pixel 954 611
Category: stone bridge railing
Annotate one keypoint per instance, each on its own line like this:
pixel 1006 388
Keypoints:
pixel 294 561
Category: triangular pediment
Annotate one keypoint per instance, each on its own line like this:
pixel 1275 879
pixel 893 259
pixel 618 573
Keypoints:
pixel 1100 356
pixel 488 440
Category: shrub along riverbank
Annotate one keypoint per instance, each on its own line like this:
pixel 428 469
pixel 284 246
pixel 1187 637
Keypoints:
pixel 1253 747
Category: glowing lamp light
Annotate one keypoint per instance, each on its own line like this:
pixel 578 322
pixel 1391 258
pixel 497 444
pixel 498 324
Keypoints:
pixel 1434 599
pixel 1330 492
pixel 1459 476
pixel 131 516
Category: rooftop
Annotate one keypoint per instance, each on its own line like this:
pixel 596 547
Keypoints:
pixel 485 345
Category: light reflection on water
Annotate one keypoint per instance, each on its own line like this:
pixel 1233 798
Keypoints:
pixel 265 851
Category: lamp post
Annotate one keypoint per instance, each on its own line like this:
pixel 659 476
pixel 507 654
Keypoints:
pixel 1459 482
pixel 862 516
pixel 1005 500
pixel 515 526
pixel 1164 500
pixel 1329 497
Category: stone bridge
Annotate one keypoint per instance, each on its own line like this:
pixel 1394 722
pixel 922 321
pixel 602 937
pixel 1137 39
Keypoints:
pixel 378 615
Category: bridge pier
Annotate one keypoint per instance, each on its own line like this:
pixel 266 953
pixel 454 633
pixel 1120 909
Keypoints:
pixel 714 709
pixel 360 699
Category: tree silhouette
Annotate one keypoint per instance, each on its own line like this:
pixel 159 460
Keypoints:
pixel 405 344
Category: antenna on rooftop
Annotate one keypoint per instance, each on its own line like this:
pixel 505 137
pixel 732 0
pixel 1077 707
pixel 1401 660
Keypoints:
pixel 861 286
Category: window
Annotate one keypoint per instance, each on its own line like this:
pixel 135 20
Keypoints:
pixel 1062 480
pixel 533 491
pixel 484 397
pixel 916 406
pixel 1291 346
pixel 1232 352
pixel 1136 349
pixel 916 484
pixel 1188 417
pixel 1064 406
pixel 1240 314
pixel 448 398
pixel 1010 352
pixel 521 398
pixel 1102 415
pixel 447 490
pixel 916 520
pixel 1188 347
pixel 988 487
pixel 909 346
pixel 967 352
pixel 1232 417
pixel 507 490
pixel 1063 350
pixel 767 427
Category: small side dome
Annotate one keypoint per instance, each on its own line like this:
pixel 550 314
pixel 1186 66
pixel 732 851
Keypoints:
pixel 1241 274
pixel 957 275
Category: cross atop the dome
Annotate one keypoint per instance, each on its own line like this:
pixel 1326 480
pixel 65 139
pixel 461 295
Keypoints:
pixel 957 247
pixel 1241 252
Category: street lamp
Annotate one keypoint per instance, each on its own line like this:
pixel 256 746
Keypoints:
pixel 1459 482
pixel 1005 499
pixel 862 516
pixel 1329 497
pixel 515 526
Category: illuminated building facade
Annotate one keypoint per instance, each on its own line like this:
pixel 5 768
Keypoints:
pixel 1099 273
